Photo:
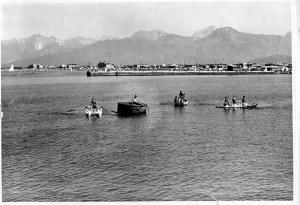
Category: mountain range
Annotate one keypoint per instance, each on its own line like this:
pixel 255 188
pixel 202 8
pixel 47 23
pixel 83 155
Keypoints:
pixel 38 46
pixel 210 45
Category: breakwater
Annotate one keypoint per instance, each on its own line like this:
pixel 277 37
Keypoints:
pixel 161 73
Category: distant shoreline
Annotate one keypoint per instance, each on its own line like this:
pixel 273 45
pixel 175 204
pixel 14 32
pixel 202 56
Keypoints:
pixel 48 73
pixel 163 73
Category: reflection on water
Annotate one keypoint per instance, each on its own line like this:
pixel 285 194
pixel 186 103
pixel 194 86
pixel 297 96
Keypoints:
pixel 52 152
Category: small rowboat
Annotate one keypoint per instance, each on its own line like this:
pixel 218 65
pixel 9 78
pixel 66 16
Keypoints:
pixel 129 108
pixel 89 111
pixel 249 106
pixel 181 102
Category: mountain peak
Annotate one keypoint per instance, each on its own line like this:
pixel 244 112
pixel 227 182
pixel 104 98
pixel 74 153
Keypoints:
pixel 204 32
pixel 225 33
pixel 78 41
pixel 106 37
pixel 149 35
pixel 227 29
pixel 39 36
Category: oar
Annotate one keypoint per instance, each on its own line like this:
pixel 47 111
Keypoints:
pixel 112 111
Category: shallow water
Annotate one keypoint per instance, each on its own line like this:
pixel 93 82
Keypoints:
pixel 51 152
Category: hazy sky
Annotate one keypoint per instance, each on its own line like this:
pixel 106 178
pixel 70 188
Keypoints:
pixel 65 20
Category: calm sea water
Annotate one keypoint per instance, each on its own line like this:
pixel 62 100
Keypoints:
pixel 198 152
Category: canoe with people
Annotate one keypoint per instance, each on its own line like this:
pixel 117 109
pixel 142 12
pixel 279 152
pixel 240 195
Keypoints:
pixel 243 104
pixel 180 100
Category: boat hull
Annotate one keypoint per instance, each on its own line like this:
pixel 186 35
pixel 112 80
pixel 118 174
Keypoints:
pixel 250 106
pixel 180 103
pixel 127 108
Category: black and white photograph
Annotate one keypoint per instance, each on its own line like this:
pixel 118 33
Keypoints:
pixel 150 101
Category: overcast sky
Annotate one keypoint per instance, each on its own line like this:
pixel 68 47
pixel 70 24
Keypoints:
pixel 122 19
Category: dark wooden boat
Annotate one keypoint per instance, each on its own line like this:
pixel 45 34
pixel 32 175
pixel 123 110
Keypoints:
pixel 128 108
pixel 250 106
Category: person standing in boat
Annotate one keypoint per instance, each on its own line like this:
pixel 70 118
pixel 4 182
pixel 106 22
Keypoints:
pixel 93 103
pixel 134 100
pixel 181 95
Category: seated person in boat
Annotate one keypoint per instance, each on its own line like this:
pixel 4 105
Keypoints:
pixel 226 102
pixel 175 99
pixel 93 103
pixel 234 101
pixel 134 100
pixel 244 101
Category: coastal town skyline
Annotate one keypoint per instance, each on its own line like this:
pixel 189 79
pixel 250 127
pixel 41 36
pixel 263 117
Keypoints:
pixel 120 20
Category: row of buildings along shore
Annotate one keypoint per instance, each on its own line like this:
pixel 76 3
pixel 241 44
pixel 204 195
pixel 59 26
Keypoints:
pixel 104 66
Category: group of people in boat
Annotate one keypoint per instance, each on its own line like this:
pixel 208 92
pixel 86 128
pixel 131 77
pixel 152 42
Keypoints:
pixel 235 101
pixel 180 97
